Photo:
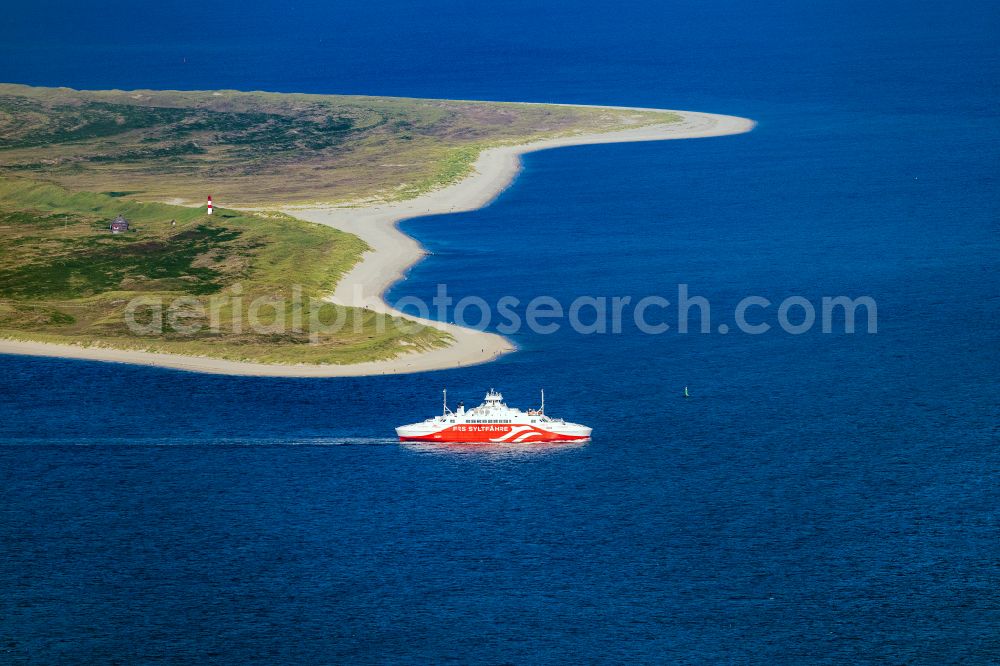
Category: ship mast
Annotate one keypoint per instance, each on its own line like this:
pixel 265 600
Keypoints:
pixel 542 410
pixel 444 402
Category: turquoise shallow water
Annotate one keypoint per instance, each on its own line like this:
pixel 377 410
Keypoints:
pixel 819 498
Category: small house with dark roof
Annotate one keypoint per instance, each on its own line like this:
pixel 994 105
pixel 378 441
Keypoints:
pixel 119 225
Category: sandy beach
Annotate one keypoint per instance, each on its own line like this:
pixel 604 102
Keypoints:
pixel 393 253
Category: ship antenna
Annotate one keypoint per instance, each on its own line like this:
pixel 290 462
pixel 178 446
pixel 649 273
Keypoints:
pixel 543 401
pixel 444 402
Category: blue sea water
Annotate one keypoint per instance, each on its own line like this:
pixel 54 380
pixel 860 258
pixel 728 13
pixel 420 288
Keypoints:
pixel 820 498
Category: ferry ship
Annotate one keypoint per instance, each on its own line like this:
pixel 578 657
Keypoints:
pixel 493 422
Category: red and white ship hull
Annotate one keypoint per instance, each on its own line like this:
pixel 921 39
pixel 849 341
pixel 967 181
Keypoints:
pixel 496 434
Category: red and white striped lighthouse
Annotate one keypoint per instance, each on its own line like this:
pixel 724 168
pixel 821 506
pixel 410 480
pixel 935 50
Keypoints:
pixel 209 204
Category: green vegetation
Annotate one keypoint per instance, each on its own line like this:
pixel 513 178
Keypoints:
pixel 65 278
pixel 267 148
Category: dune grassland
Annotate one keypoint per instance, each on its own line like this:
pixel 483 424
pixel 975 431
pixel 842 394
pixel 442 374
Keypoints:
pixel 267 148
pixel 65 278
pixel 71 160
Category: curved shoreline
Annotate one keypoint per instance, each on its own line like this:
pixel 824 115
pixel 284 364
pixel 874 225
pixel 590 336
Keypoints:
pixel 393 253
